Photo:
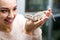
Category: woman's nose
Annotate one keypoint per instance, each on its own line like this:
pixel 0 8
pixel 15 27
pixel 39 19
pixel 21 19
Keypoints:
pixel 11 15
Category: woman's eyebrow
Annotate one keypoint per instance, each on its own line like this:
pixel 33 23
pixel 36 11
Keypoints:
pixel 3 8
pixel 15 6
pixel 6 7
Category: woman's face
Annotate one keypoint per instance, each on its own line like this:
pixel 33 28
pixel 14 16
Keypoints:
pixel 7 11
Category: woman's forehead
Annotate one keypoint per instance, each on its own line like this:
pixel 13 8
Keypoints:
pixel 7 3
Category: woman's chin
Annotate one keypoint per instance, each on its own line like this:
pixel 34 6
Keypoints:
pixel 8 24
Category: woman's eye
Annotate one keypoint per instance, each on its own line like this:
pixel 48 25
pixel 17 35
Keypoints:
pixel 14 9
pixel 4 11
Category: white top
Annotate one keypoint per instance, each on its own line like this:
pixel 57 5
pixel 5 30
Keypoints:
pixel 17 32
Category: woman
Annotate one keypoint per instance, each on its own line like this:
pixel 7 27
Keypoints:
pixel 14 26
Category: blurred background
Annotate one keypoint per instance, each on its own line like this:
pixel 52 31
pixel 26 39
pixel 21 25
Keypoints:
pixel 51 29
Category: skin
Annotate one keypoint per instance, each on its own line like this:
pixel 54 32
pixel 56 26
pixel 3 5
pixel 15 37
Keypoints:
pixel 8 13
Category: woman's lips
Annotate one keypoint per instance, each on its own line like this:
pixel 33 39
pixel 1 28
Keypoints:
pixel 8 21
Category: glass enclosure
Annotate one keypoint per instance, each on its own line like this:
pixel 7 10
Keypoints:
pixel 35 5
pixel 52 31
